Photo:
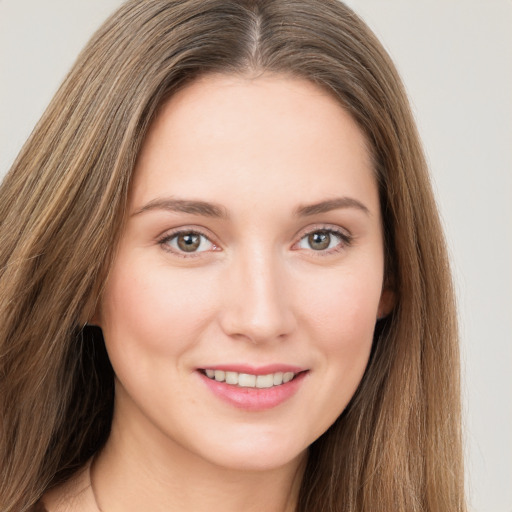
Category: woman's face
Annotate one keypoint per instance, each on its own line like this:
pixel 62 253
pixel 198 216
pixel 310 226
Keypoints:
pixel 253 253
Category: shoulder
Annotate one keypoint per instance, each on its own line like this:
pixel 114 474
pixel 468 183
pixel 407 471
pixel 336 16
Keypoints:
pixel 75 495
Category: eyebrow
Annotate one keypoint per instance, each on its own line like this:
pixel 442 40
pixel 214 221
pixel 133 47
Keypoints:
pixel 207 209
pixel 185 206
pixel 329 205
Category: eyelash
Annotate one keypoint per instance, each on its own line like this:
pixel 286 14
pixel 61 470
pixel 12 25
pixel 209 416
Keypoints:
pixel 345 241
pixel 168 237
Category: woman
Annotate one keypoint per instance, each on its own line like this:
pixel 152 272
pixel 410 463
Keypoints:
pixel 224 281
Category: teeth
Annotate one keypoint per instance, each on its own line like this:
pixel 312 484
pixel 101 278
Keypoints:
pixel 278 378
pixel 231 378
pixel 247 380
pixel 265 381
pixel 287 377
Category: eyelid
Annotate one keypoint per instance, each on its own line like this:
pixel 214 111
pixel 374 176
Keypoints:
pixel 343 233
pixel 172 233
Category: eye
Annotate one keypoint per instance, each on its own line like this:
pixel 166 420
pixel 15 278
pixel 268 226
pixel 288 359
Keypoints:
pixel 187 242
pixel 324 240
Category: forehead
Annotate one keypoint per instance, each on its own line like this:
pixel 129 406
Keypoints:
pixel 256 137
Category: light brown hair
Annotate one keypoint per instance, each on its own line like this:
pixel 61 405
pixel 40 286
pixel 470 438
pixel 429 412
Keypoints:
pixel 397 446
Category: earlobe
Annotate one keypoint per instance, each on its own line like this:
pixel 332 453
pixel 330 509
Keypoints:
pixel 386 303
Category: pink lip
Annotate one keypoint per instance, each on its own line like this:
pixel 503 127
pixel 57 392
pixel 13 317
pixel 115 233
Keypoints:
pixel 254 399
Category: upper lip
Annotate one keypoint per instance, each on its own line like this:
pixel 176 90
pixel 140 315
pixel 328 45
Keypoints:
pixel 255 370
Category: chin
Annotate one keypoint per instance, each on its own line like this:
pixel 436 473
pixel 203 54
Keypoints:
pixel 260 454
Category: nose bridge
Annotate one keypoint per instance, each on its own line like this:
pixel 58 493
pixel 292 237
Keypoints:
pixel 257 304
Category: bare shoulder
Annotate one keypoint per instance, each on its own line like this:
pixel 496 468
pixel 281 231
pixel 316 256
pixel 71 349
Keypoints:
pixel 75 495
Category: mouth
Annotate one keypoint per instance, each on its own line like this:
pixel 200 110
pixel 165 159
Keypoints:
pixel 249 380
pixel 254 389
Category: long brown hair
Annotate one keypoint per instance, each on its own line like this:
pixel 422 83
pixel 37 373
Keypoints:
pixel 397 446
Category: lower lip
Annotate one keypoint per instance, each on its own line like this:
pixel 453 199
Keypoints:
pixel 254 399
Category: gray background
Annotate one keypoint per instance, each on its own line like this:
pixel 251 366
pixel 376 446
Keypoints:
pixel 456 60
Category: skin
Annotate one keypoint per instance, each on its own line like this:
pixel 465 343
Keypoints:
pixel 255 292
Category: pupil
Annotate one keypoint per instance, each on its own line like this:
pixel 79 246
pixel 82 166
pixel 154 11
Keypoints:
pixel 189 242
pixel 319 240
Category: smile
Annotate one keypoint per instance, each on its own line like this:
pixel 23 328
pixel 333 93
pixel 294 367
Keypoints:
pixel 247 380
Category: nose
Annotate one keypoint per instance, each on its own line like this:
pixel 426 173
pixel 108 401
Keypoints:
pixel 257 305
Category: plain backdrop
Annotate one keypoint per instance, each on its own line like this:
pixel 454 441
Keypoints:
pixel 456 61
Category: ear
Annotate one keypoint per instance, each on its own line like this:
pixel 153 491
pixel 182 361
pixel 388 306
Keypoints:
pixel 386 303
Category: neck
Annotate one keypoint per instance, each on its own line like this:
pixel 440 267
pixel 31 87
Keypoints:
pixel 140 472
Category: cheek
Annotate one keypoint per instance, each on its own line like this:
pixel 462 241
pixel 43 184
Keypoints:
pixel 342 322
pixel 340 316
pixel 345 309
pixel 152 309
